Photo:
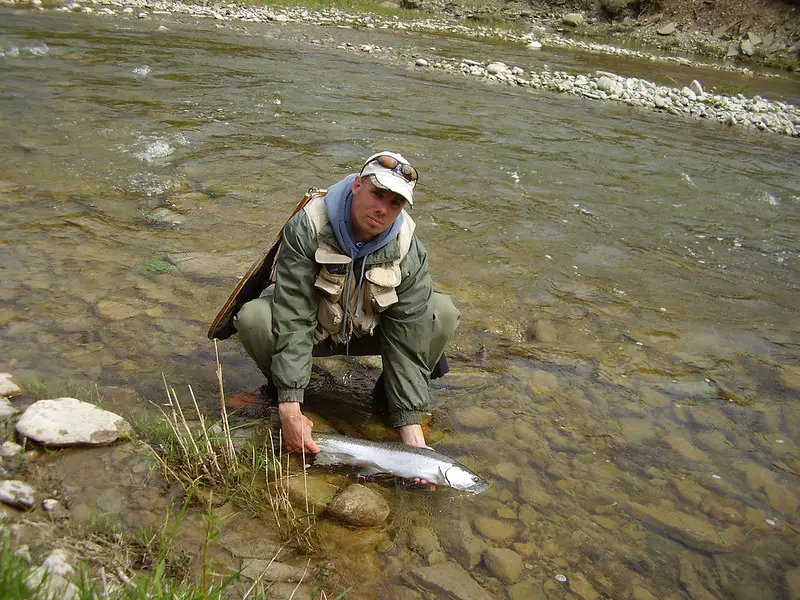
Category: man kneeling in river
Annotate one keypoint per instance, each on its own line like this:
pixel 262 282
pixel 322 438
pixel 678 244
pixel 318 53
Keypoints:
pixel 351 277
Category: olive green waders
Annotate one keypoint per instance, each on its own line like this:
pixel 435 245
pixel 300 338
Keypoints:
pixel 254 324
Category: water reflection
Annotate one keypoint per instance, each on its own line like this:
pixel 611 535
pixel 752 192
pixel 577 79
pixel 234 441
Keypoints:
pixel 626 371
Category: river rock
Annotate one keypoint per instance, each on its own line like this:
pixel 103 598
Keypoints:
pixel 213 264
pixel 530 490
pixel 7 387
pixel 504 564
pixel 695 532
pixel 457 538
pixel 262 569
pixel 667 29
pixel 581 586
pixel 494 529
pixel 360 506
pixel 10 449
pixel 54 509
pixel 476 417
pixel 497 68
pixel 526 590
pixel 320 493
pixel 793 582
pixel 747 48
pixel 448 581
pixel 535 45
pixel 423 540
pixel 7 410
pixel 573 19
pixel 17 494
pixel 69 422
pixel 696 87
pixel 51 579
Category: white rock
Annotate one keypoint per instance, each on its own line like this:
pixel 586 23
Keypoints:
pixel 16 493
pixel 421 62
pixel 7 409
pixel 68 421
pixel 7 387
pixel 688 94
pixel 696 87
pixel 535 45
pixel 9 449
pixel 573 19
pixel 50 580
pixel 497 68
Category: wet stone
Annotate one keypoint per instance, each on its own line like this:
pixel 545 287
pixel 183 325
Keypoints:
pixel 477 418
pixel 360 506
pixel 447 581
pixel 581 586
pixel 507 471
pixel 526 590
pixel 423 540
pixel 693 531
pixel 54 509
pixel 263 570
pixel 460 543
pixel 320 493
pixel 504 564
pixel 494 529
pixel 530 491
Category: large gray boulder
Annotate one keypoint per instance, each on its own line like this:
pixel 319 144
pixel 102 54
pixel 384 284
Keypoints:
pixel 573 19
pixel 71 422
pixel 503 563
pixel 360 506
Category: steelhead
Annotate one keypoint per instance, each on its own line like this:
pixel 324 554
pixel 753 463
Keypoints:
pixel 394 458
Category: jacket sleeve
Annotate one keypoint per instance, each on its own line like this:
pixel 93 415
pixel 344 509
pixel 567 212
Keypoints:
pixel 294 310
pixel 406 328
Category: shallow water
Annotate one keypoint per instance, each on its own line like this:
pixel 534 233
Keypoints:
pixel 628 280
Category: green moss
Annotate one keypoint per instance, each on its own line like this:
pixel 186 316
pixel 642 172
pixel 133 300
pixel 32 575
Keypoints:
pixel 156 266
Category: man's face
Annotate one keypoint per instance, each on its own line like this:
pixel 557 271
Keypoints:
pixel 373 209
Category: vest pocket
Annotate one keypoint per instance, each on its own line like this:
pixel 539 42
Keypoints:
pixel 330 284
pixel 382 297
pixel 330 316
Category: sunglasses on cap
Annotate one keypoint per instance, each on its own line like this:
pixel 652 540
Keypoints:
pixel 405 170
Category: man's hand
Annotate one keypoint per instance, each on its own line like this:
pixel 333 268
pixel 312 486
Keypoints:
pixel 296 428
pixel 411 435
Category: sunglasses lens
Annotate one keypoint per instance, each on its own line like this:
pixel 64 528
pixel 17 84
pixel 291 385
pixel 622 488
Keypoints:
pixel 391 163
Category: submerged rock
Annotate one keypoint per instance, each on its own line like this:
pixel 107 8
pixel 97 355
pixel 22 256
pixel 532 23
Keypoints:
pixel 448 581
pixel 476 417
pixel 695 532
pixel 70 422
pixel 494 529
pixel 457 538
pixel 319 493
pixel 504 564
pixel 360 506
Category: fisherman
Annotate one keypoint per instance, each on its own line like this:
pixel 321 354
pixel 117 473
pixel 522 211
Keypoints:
pixel 351 278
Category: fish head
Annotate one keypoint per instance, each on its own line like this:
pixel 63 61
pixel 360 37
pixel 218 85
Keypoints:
pixel 459 478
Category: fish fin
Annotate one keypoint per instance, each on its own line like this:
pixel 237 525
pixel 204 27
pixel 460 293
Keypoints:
pixel 369 471
pixel 441 478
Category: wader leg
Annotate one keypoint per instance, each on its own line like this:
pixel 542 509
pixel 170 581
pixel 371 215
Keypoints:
pixel 254 324
pixel 445 321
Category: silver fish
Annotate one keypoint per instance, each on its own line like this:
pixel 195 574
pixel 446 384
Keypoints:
pixel 394 458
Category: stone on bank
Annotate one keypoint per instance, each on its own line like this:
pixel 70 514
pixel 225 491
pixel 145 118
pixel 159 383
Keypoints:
pixel 70 422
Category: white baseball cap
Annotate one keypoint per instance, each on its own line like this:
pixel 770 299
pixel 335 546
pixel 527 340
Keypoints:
pixel 390 171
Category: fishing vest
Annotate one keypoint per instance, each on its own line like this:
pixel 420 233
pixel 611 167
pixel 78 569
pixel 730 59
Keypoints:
pixel 377 291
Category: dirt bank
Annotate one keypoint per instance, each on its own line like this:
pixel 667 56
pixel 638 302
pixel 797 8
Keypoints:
pixel 766 32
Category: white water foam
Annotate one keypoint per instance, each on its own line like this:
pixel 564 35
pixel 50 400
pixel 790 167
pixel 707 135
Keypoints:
pixel 142 71
pixel 688 179
pixel 38 50
pixel 151 148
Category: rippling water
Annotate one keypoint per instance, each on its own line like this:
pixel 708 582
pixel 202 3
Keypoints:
pixel 629 281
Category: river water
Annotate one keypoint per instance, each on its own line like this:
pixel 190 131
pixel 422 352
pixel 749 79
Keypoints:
pixel 627 371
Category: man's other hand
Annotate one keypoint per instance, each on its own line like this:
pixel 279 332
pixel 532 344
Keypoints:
pixel 411 435
pixel 296 428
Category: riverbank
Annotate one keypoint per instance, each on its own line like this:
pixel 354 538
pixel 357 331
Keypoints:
pixel 688 99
